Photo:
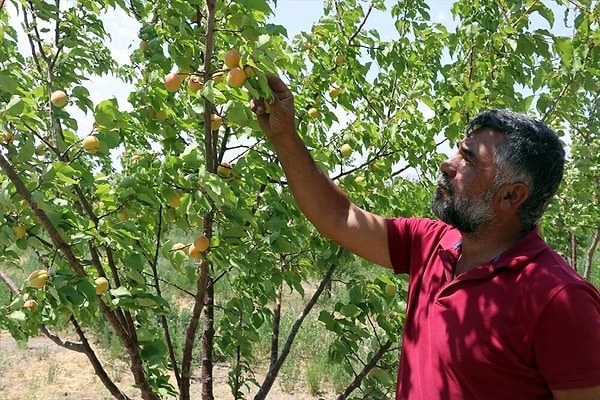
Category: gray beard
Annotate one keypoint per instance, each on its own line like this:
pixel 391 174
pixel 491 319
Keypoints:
pixel 466 213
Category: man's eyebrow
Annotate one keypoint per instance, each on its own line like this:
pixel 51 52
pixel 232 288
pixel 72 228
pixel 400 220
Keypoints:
pixel 465 150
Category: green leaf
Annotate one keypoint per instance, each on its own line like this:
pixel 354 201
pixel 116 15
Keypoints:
pixel 385 324
pixel 64 172
pixel 135 261
pixel 87 288
pixel 8 83
pixel 545 12
pixel 564 48
pixel 121 291
pixel 14 107
pixel 350 310
pixel 328 320
pixel 26 151
pixel 258 5
pixel 107 113
pixel 71 295
pixel 145 302
pixel 17 315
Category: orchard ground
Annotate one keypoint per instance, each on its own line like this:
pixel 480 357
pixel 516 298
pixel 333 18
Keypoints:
pixel 39 369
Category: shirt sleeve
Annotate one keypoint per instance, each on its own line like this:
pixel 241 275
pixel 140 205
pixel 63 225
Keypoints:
pixel 567 338
pixel 411 241
pixel 397 231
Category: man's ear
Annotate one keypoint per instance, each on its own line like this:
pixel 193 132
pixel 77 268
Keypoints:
pixel 513 195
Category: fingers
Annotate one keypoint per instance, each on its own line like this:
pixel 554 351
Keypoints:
pixel 282 102
pixel 280 89
pixel 280 92
pixel 258 106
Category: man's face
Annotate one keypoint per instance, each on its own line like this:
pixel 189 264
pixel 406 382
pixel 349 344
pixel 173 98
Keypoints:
pixel 464 197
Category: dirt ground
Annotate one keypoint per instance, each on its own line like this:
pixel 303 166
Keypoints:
pixel 41 370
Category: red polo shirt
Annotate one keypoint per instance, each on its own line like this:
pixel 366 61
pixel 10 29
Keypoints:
pixel 513 328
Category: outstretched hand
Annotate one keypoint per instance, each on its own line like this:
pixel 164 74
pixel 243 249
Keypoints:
pixel 277 117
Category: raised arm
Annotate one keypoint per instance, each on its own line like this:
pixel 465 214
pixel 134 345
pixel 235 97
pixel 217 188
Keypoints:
pixel 319 198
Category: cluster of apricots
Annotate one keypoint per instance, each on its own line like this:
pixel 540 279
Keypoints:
pixel 236 74
pixel 199 246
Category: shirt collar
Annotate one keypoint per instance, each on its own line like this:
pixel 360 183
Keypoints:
pixel 451 239
pixel 523 250
pixel 516 256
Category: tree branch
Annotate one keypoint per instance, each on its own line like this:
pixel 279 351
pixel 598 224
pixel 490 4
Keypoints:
pixel 58 241
pixel 362 24
pixel 192 328
pixel 590 254
pixel 163 318
pixel 361 375
pixel 265 387
pixel 83 347
pixel 9 282
pixel 96 364
pixel 74 346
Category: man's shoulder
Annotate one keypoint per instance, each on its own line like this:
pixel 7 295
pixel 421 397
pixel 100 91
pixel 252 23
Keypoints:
pixel 420 224
pixel 547 268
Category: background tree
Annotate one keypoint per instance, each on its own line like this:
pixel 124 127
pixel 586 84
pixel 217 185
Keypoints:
pixel 177 200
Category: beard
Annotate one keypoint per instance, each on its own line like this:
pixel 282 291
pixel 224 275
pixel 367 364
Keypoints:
pixel 467 213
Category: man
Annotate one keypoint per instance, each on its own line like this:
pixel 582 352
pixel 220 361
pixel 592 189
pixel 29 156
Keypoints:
pixel 493 312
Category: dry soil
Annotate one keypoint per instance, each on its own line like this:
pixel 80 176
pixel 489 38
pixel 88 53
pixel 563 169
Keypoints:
pixel 41 370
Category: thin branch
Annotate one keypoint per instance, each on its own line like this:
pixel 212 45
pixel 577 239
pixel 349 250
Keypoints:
pixel 85 204
pixel 209 38
pixel 163 318
pixel 98 265
pixel 362 24
pixel 377 156
pixel 69 345
pixel 361 375
pixel 59 46
pixel 96 364
pixel 183 290
pixel 526 12
pixel 276 320
pixel 573 238
pixel 9 282
pixel 267 384
pixel 339 16
pixel 57 239
pixel 401 170
pixel 557 99
pixel 74 346
pixel 30 39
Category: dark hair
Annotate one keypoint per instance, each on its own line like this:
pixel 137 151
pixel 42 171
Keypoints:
pixel 531 154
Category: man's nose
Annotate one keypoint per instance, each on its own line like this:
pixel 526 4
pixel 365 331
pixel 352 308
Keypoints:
pixel 448 167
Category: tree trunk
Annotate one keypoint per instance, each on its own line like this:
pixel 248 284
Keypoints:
pixel 190 334
pixel 590 254
pixel 276 328
pixel 574 251
pixel 208 334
